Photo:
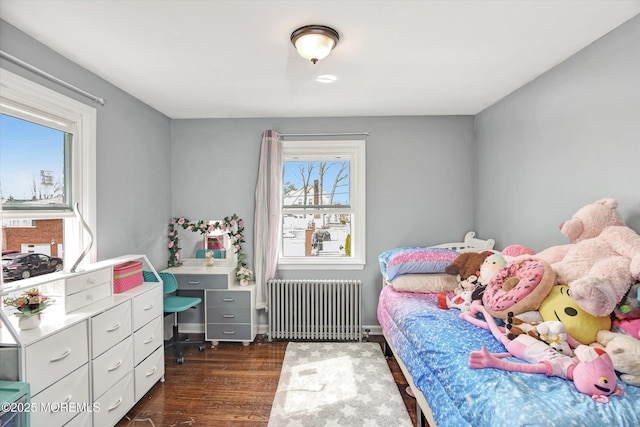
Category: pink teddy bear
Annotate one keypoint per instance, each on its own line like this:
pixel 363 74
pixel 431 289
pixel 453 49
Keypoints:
pixel 602 262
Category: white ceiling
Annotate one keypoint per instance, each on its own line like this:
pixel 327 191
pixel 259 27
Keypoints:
pixel 206 58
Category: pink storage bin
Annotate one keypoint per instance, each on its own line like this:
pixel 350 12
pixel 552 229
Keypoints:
pixel 126 276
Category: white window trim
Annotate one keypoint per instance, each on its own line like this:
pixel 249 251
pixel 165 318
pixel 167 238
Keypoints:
pixel 24 91
pixel 356 150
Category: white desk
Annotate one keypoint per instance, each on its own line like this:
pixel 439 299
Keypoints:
pixel 228 312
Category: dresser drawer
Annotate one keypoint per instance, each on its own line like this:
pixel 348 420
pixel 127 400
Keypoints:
pixel 83 419
pixel 110 327
pixel 229 332
pixel 115 403
pixel 228 299
pixel 72 390
pixel 56 356
pixel 202 281
pixel 111 366
pixel 86 297
pixel 149 372
pixel 87 281
pixel 86 289
pixel 146 307
pixel 228 315
pixel 147 339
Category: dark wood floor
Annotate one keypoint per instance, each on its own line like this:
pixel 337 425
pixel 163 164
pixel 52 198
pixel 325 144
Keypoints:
pixel 227 385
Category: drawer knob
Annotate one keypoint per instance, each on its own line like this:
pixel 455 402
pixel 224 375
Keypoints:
pixel 228 316
pixel 115 405
pixel 151 372
pixel 228 299
pixel 148 340
pixel 229 332
pixel 114 327
pixel 116 366
pixel 193 282
pixel 61 356
pixel 149 307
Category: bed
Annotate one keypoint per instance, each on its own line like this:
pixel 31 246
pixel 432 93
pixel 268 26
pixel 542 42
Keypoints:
pixel 432 348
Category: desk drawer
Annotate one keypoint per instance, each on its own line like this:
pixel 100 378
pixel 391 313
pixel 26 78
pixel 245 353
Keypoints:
pixel 111 366
pixel 228 299
pixel 56 356
pixel 228 315
pixel 229 332
pixel 202 281
pixel 110 327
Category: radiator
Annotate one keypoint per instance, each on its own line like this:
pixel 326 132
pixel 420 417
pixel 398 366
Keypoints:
pixel 315 310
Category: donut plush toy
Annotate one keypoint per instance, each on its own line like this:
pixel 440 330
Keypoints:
pixel 518 287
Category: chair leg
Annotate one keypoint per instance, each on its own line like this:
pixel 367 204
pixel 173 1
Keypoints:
pixel 176 341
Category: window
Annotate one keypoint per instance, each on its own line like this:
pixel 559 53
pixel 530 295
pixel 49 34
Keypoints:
pixel 323 204
pixel 47 165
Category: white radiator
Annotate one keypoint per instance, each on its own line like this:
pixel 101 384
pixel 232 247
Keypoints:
pixel 318 310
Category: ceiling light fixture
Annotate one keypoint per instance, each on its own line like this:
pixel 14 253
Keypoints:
pixel 314 42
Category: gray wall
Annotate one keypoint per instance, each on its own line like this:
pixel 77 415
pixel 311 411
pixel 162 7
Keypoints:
pixel 133 153
pixel 420 174
pixel 566 139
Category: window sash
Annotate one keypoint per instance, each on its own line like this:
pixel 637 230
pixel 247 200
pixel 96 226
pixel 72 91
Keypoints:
pixel 330 151
pixel 17 90
pixel 39 118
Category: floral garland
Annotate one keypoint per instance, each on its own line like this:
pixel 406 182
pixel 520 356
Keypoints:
pixel 233 225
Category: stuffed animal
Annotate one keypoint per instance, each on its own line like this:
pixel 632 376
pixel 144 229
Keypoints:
pixel 629 327
pixel 460 300
pixel 624 351
pixel 467 266
pixel 489 267
pixel 514 251
pixel 603 260
pixel 551 332
pixel 591 370
pixel 558 305
pixel 629 307
pixel 520 286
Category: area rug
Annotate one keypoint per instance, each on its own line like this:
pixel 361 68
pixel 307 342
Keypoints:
pixel 337 384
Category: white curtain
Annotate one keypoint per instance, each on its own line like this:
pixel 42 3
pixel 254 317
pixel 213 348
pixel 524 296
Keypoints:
pixel 268 224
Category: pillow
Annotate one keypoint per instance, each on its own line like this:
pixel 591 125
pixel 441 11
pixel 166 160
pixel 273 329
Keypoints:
pixel 430 283
pixel 415 259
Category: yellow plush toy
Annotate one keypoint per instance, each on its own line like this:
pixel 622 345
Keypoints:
pixel 582 326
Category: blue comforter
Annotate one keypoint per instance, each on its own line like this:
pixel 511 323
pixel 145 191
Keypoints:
pixel 435 344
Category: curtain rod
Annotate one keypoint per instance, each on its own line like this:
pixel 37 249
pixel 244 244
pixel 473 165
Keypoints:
pixel 48 76
pixel 325 134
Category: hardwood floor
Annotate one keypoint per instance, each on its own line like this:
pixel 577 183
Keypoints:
pixel 223 386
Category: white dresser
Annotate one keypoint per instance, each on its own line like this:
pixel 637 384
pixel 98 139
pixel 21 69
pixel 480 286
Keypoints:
pixel 95 354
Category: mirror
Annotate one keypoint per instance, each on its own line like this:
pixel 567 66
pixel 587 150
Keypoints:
pixel 190 241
